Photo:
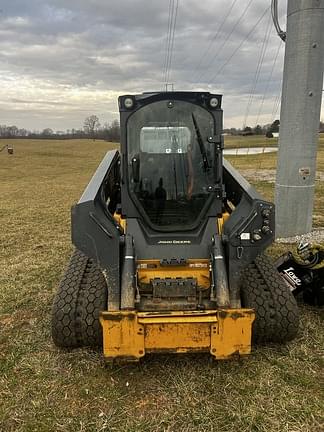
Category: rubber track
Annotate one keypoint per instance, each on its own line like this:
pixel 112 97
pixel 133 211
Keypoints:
pixel 263 289
pixel 81 295
pixel 92 299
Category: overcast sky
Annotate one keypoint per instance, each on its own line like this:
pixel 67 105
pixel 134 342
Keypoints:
pixel 63 60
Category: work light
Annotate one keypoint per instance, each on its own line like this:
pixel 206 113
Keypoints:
pixel 128 103
pixel 213 102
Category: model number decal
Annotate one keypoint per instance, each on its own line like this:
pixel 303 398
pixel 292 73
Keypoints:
pixel 174 242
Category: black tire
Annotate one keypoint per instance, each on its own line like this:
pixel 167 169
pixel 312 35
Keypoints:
pixel 82 294
pixel 263 289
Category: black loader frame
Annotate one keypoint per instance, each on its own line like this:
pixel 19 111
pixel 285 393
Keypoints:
pixel 180 267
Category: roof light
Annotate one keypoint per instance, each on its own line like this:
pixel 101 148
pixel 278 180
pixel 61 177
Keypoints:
pixel 213 102
pixel 128 103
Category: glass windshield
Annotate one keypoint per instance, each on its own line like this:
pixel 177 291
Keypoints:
pixel 170 161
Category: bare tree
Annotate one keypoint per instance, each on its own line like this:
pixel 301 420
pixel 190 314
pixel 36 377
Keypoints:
pixel 91 125
pixel 47 132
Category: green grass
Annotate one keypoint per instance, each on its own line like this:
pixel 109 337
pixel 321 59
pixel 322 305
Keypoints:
pixel 45 389
pixel 250 141
pixel 267 162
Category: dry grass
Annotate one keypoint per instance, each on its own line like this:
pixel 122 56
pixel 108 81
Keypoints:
pixel 267 161
pixel 250 141
pixel 44 389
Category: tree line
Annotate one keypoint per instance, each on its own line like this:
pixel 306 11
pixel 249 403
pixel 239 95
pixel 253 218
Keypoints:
pixel 111 132
pixel 266 130
pixel 91 129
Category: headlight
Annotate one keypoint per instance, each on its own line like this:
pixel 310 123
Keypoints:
pixel 128 103
pixel 213 102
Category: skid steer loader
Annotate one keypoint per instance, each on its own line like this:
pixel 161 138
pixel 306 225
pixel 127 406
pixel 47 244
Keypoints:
pixel 169 240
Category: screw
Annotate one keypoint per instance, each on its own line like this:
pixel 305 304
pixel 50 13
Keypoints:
pixel 257 236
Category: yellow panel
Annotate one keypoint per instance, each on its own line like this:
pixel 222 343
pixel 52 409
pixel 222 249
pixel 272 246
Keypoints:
pixel 120 221
pixel 221 221
pixel 177 317
pixel 127 335
pixel 198 269
pixel 123 336
pixel 180 337
pixel 232 335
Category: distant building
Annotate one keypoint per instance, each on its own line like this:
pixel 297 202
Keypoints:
pixel 247 133
pixel 272 134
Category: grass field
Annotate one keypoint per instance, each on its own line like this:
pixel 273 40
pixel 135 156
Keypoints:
pixel 278 388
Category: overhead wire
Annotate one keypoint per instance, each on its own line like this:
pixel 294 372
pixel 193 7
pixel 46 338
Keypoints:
pixel 172 41
pixel 167 47
pixel 215 37
pixel 274 12
pixel 257 71
pixel 238 47
pixel 212 60
pixel 268 82
pixel 172 20
pixel 276 105
pixel 282 34
pixel 168 36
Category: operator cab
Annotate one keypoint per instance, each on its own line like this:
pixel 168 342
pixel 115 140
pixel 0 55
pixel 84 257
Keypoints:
pixel 172 159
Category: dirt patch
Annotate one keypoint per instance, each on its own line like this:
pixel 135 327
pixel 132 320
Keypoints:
pixel 315 236
pixel 269 175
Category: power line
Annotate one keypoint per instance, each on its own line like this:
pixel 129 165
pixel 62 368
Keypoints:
pixel 268 82
pixel 202 57
pixel 239 46
pixel 168 36
pixel 276 105
pixel 274 12
pixel 258 69
pixel 172 40
pixel 225 40
pixel 167 40
pixel 172 20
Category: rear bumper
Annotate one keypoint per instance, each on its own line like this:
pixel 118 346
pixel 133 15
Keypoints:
pixel 129 335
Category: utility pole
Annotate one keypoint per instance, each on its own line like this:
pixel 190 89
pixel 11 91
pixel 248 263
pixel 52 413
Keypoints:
pixel 299 117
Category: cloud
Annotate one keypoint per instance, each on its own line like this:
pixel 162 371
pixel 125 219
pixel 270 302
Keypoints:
pixel 63 60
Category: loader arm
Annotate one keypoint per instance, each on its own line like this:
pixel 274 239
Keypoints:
pixel 94 230
pixel 249 229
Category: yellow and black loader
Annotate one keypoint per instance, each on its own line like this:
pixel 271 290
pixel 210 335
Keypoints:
pixel 169 240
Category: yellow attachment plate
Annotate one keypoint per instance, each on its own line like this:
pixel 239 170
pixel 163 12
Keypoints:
pixel 128 335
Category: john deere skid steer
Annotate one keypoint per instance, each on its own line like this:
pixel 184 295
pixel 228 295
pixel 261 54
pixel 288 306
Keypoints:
pixel 169 240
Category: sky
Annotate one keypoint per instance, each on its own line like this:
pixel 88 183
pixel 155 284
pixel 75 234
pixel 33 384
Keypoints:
pixel 63 60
